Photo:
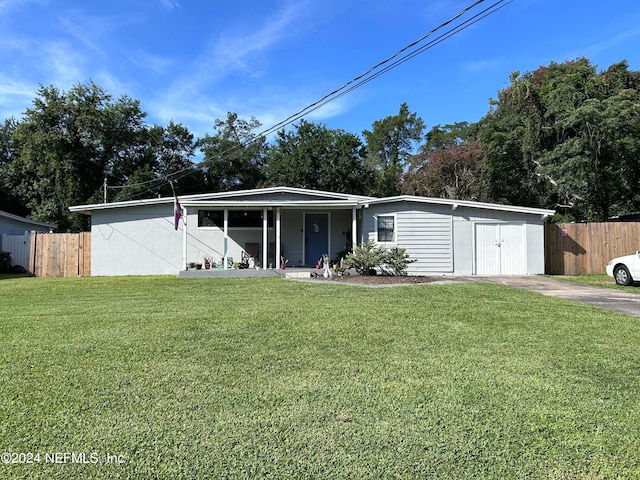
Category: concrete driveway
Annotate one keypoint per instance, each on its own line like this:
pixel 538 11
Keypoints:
pixel 609 298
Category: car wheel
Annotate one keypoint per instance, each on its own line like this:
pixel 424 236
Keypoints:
pixel 622 276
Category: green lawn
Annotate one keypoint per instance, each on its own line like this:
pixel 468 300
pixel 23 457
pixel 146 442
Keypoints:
pixel 596 280
pixel 179 378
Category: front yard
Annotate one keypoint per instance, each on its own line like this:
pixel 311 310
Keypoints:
pixel 159 377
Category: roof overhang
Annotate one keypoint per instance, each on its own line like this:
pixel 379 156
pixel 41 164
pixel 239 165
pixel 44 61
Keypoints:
pixel 260 198
pixel 27 221
pixel 455 204
pixel 256 198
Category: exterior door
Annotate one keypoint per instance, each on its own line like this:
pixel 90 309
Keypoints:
pixel 500 249
pixel 316 237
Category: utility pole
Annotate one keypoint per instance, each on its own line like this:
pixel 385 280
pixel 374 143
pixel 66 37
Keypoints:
pixel 104 190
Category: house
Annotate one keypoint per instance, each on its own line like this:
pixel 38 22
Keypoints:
pixel 296 226
pixel 14 238
pixel 14 225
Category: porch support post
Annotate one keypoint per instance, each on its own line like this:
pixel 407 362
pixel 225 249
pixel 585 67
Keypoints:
pixel 354 228
pixel 225 240
pixel 184 239
pixel 278 258
pixel 265 237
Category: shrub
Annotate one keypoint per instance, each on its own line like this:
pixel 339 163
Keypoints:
pixel 368 257
pixel 397 260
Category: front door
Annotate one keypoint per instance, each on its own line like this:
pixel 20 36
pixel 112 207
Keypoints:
pixel 316 237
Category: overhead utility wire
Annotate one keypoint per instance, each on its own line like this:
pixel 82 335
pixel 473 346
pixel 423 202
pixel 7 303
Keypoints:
pixel 336 93
pixel 364 78
pixel 476 18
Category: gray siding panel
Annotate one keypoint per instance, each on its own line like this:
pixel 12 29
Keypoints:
pixel 427 236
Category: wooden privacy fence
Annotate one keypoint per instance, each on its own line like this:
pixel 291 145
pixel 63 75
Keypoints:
pixel 60 254
pixel 578 248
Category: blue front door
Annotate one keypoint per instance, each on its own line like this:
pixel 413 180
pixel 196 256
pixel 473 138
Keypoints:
pixel 316 237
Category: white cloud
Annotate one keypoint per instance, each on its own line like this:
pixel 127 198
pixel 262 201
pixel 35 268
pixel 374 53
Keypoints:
pixel 170 4
pixel 15 97
pixel 480 66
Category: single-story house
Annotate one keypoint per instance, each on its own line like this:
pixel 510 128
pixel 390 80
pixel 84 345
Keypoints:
pixel 445 237
pixel 14 225
pixel 14 238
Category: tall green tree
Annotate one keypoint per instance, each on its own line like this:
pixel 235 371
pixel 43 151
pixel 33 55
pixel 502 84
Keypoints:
pixel 67 143
pixel 316 157
pixel 164 155
pixel 390 143
pixel 565 136
pixel 9 150
pixel 60 161
pixel 233 155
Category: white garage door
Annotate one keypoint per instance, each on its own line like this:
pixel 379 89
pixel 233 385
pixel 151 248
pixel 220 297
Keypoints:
pixel 500 249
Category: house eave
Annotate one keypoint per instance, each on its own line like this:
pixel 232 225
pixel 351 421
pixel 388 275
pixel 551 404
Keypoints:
pixel 27 221
pixel 456 204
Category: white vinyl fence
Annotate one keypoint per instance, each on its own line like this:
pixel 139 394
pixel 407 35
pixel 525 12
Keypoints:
pixel 19 246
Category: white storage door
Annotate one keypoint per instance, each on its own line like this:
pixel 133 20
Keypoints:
pixel 500 249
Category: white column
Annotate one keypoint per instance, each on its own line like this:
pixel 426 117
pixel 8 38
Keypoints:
pixel 278 250
pixel 184 239
pixel 354 228
pixel 225 240
pixel 265 237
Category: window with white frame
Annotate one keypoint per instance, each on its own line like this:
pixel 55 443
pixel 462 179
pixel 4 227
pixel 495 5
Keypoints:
pixel 386 228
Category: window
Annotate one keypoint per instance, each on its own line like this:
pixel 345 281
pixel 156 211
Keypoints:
pixel 237 218
pixel 211 218
pixel 386 228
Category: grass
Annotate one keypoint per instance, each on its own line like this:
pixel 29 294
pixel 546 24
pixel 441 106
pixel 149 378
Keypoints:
pixel 597 280
pixel 268 378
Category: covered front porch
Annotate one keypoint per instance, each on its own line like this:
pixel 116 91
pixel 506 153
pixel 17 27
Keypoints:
pixel 266 235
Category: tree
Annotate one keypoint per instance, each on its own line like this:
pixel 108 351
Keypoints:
pixel 390 143
pixel 314 156
pixel 565 135
pixel 60 161
pixel 452 171
pixel 165 154
pixel 9 150
pixel 68 142
pixel 233 155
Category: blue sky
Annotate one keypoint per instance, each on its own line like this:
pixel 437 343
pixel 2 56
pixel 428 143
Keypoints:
pixel 192 61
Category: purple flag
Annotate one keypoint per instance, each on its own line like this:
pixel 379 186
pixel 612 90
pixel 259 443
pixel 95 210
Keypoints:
pixel 177 213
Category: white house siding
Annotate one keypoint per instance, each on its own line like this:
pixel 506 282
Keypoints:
pixel 135 241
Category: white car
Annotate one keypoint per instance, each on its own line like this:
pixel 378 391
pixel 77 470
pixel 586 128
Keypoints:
pixel 625 270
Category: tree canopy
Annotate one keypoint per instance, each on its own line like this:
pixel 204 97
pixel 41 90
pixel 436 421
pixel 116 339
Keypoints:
pixel 316 157
pixel 564 136
pixel 390 143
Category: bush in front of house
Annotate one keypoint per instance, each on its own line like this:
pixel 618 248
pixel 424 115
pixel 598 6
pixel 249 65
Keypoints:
pixel 368 258
pixel 397 260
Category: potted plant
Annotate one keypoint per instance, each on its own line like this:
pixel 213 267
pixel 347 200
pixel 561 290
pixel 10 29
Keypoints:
pixel 207 262
pixel 198 266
